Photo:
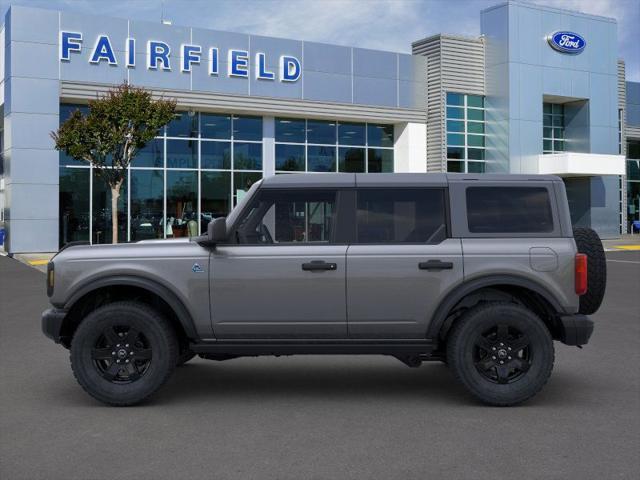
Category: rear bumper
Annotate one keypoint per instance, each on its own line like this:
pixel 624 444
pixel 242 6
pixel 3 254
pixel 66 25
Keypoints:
pixel 52 319
pixel 575 329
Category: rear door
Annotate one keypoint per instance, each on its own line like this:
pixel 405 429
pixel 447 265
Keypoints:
pixel 401 263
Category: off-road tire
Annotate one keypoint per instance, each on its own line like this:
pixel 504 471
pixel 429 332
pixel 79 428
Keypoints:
pixel 588 242
pixel 462 351
pixel 160 345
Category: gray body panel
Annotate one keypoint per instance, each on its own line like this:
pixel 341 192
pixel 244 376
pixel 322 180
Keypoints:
pixel 388 296
pixel 164 262
pixel 262 292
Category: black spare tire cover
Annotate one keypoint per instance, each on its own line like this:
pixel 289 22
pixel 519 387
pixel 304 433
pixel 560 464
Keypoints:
pixel 588 242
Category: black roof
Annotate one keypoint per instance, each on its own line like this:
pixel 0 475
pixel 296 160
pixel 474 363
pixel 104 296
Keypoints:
pixel 311 180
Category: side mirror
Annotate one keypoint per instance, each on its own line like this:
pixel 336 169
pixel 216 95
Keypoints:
pixel 217 230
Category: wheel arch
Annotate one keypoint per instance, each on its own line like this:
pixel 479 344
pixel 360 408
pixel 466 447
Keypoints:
pixel 119 287
pixel 495 287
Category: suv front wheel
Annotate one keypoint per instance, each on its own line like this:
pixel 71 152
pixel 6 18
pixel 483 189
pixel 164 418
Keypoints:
pixel 501 352
pixel 123 352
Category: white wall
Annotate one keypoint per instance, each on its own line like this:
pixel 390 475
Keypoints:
pixel 410 149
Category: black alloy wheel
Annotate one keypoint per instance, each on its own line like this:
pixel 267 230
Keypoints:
pixel 121 354
pixel 502 354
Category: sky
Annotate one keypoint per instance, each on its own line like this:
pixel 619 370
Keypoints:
pixel 378 24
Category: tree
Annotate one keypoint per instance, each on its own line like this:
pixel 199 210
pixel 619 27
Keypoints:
pixel 117 126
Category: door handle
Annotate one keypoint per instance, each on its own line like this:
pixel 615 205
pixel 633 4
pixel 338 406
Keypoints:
pixel 319 265
pixel 435 265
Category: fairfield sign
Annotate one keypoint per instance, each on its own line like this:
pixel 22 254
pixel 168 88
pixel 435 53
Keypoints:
pixel 159 56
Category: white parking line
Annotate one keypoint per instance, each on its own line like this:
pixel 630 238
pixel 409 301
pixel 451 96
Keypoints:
pixel 622 261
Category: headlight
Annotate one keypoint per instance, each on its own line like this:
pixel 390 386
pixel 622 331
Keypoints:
pixel 50 279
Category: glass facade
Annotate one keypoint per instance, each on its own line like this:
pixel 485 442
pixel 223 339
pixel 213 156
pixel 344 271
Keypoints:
pixel 465 130
pixel 552 128
pixel 305 145
pixel 633 183
pixel 195 170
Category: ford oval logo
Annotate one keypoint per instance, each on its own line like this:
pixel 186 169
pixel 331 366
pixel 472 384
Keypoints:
pixel 567 42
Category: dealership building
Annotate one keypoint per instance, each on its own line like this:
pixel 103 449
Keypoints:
pixel 540 91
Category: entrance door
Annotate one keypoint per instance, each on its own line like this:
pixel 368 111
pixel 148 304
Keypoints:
pixel 402 262
pixel 285 276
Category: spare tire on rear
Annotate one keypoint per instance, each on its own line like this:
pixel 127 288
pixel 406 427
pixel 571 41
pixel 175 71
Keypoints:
pixel 588 242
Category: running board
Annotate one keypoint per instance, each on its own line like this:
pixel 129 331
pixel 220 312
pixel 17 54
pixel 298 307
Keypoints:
pixel 238 348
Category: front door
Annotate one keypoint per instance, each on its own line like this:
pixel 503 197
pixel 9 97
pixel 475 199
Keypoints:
pixel 284 277
pixel 402 262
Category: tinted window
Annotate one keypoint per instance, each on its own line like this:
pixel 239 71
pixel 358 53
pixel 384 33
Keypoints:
pixel 509 210
pixel 401 215
pixel 289 217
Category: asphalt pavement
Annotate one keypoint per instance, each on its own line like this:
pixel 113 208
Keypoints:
pixel 315 417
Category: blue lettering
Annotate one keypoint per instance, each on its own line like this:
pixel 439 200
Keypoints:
pixel 103 51
pixel 69 42
pixel 290 70
pixel 213 61
pixel 190 55
pixel 238 63
pixel 261 68
pixel 131 52
pixel 158 52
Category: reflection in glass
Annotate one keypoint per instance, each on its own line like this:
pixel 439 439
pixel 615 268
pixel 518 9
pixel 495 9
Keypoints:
pixel 379 135
pixel 74 205
pixel 184 124
pixel 215 190
pixel 215 126
pixel 351 133
pixel 380 160
pixel 290 158
pixel 320 131
pixel 147 187
pixel 151 155
pixel 182 204
pixel 247 128
pixel 351 160
pixel 290 130
pixel 101 216
pixel 455 167
pixel 321 159
pixel 242 182
pixel 216 155
pixel 247 156
pixel 182 153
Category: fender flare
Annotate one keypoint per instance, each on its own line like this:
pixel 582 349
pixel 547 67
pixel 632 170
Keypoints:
pixel 458 293
pixel 183 315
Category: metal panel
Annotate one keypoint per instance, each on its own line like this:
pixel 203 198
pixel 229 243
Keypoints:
pixel 454 64
pixel 74 91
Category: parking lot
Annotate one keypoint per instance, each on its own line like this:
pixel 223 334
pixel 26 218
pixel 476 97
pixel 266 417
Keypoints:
pixel 320 417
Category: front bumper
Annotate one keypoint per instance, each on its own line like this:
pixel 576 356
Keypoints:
pixel 575 330
pixel 52 320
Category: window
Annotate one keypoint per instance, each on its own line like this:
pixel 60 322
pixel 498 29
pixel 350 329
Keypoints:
pixel 465 130
pixel 289 217
pixel 180 174
pixel 552 128
pixel 401 215
pixel 633 182
pixel 329 146
pixel 509 210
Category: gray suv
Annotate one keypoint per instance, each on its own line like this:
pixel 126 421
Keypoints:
pixel 482 272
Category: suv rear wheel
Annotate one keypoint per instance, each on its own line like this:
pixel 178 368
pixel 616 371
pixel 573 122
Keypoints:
pixel 123 352
pixel 501 352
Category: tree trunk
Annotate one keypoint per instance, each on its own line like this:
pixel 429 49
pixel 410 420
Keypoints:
pixel 115 194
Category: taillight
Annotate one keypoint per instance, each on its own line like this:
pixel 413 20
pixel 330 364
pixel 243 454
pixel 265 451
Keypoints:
pixel 581 274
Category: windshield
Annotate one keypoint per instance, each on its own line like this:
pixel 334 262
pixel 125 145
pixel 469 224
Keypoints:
pixel 231 218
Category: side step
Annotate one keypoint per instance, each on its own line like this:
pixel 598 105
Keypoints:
pixel 239 348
